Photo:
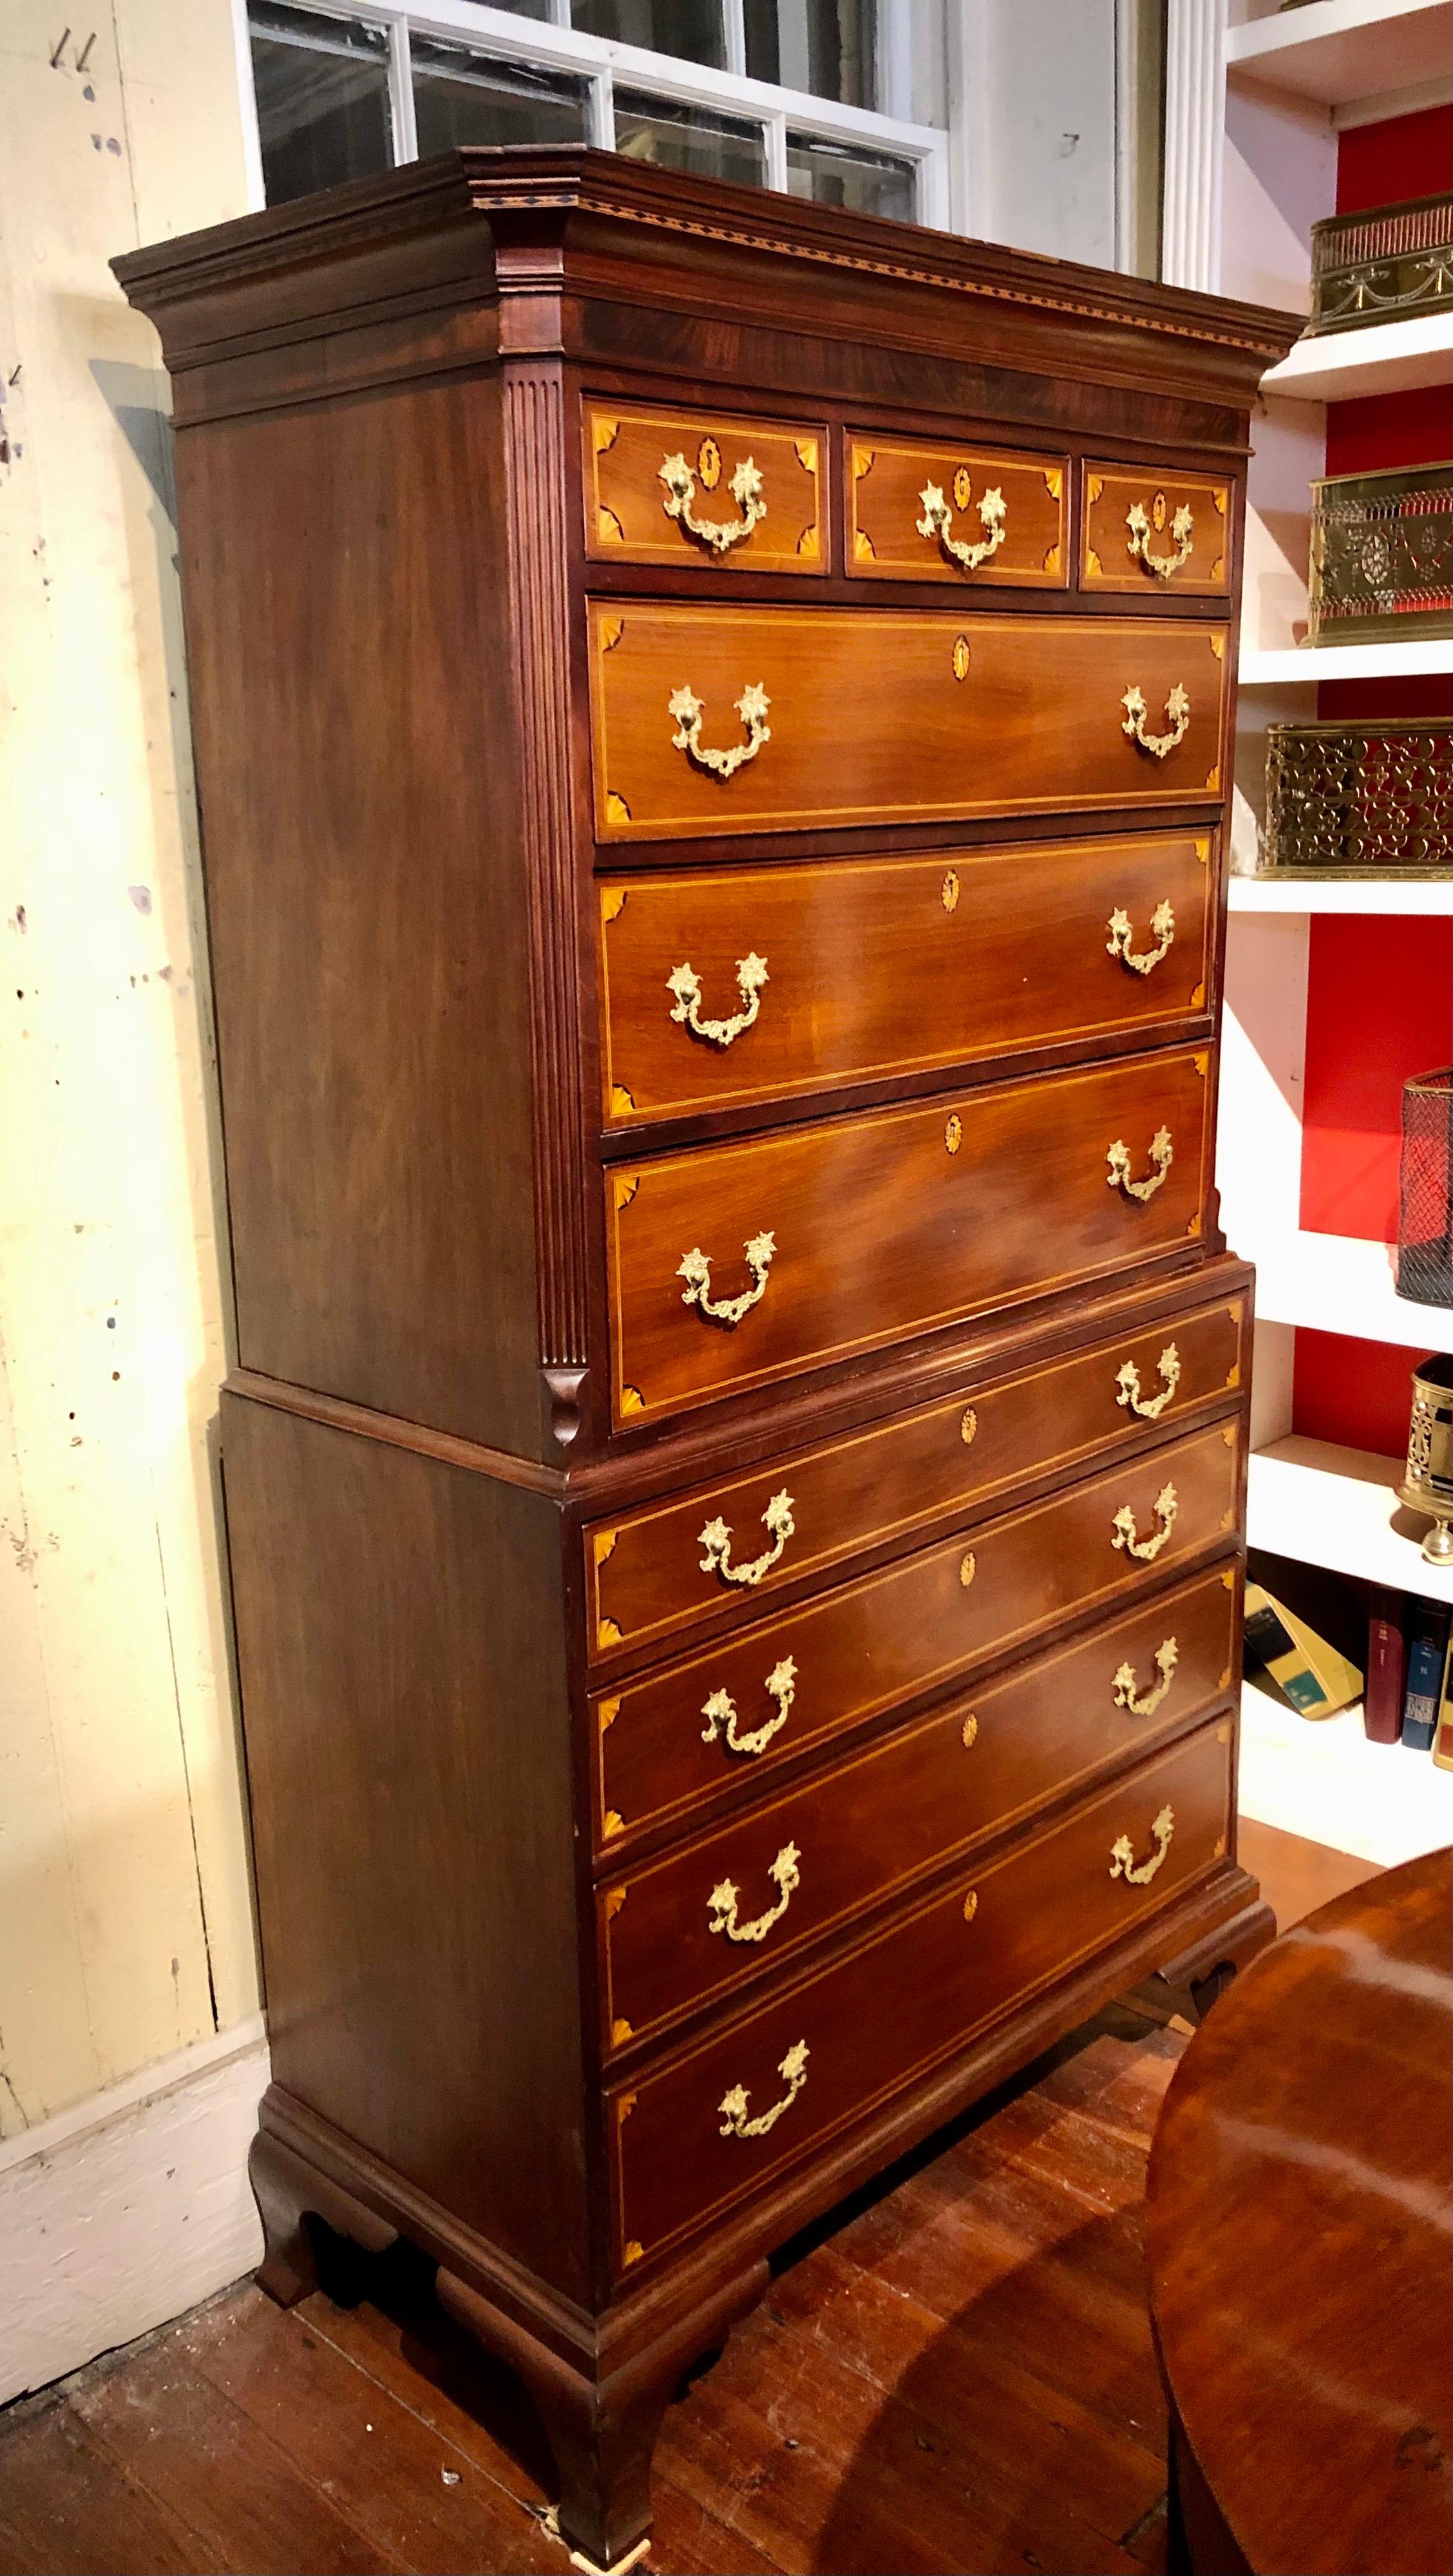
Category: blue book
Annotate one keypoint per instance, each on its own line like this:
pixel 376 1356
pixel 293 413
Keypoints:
pixel 1427 1636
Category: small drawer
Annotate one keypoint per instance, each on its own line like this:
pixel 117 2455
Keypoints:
pixel 703 489
pixel 679 1735
pixel 746 984
pixel 1141 533
pixel 709 719
pixel 804 1247
pixel 691 1927
pixel 732 1544
pixel 714 2126
pixel 955 514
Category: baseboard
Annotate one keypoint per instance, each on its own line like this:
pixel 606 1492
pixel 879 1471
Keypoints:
pixel 124 2211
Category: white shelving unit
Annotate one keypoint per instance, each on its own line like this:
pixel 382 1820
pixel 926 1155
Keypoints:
pixel 1431 896
pixel 1334 1283
pixel 1381 358
pixel 1301 667
pixel 1381 1801
pixel 1336 1507
pixel 1342 54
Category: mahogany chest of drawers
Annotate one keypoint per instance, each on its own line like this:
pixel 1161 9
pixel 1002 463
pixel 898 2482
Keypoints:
pixel 712 726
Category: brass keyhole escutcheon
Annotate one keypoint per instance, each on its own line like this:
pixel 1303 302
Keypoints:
pixel 961 657
pixel 966 1568
pixel 971 1904
pixel 970 1732
pixel 708 464
pixel 948 893
pixel 969 1425
pixel 953 1133
pixel 963 488
pixel 1158 512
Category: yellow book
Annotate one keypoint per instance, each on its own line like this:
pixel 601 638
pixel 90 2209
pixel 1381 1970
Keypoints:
pixel 1310 1673
pixel 1443 1731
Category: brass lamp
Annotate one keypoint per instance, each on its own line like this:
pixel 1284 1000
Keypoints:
pixel 1428 1484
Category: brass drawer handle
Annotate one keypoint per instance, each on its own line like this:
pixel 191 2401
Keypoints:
pixel 1149 1407
pixel 1167 1656
pixel 716 1538
pixel 720 1712
pixel 1177 707
pixel 938 518
pixel 722 1902
pixel 1140 521
pixel 733 2105
pixel 688 710
pixel 695 1268
pixel 685 983
pixel 1162 1155
pixel 1167 1504
pixel 1162 929
pixel 745 488
pixel 1123 1863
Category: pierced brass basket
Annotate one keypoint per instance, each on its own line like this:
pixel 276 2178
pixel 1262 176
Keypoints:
pixel 1383 265
pixel 1359 800
pixel 1382 555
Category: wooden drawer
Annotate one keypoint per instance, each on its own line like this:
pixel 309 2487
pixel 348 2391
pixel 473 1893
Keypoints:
pixel 767 1691
pixel 803 1247
pixel 729 1545
pixel 716 2124
pixel 692 1926
pixel 837 716
pixel 703 488
pixel 1144 532
pixel 744 984
pixel 925 513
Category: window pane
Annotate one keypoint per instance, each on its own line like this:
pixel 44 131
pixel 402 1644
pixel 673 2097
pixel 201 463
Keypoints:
pixel 837 174
pixel 690 28
pixel 460 97
pixel 825 47
pixel 689 138
pixel 322 99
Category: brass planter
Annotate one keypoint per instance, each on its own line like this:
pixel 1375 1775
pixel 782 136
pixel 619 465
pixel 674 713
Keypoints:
pixel 1428 1483
pixel 1359 800
pixel 1382 555
pixel 1383 265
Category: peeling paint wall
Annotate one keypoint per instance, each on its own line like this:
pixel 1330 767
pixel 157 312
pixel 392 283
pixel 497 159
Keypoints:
pixel 125 1914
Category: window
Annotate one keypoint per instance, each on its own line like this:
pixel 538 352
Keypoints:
pixel 770 93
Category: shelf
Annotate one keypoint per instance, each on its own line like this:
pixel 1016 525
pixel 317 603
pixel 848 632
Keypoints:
pixel 1420 655
pixel 1428 895
pixel 1332 1283
pixel 1326 1505
pixel 1335 51
pixel 1377 358
pixel 1321 1778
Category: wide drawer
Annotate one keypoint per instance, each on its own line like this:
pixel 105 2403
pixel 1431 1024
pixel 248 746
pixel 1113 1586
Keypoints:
pixel 703 489
pixel 690 1927
pixel 716 2124
pixel 745 984
pixel 731 1544
pixel 921 511
pixel 1146 531
pixel 679 1735
pixel 710 719
pixel 803 1247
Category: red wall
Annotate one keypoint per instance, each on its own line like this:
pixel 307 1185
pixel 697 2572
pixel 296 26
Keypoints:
pixel 1380 990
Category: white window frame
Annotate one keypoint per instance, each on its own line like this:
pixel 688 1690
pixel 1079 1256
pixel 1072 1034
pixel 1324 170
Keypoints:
pixel 550 45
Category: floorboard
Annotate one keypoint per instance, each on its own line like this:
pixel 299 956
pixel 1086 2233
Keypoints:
pixel 954 2374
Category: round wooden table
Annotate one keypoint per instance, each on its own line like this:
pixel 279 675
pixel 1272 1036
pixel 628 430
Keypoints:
pixel 1300 2235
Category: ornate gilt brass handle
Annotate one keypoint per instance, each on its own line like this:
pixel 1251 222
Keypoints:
pixel 1178 709
pixel 1167 1656
pixel 685 983
pixel 719 535
pixel 720 1713
pixel 1123 1863
pixel 1139 521
pixel 716 1538
pixel 1162 1155
pixel 733 2105
pixel 695 1268
pixel 1149 1407
pixel 1167 1504
pixel 688 710
pixel 938 518
pixel 1162 930
pixel 722 1902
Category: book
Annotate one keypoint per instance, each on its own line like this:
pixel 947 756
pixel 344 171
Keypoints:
pixel 1425 1635
pixel 1382 1707
pixel 1443 1740
pixel 1310 1673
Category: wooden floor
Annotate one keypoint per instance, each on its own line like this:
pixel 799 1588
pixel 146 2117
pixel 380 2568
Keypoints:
pixel 956 2377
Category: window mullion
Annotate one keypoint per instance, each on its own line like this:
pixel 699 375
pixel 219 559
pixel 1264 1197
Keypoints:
pixel 775 130
pixel 734 33
pixel 401 92
pixel 602 110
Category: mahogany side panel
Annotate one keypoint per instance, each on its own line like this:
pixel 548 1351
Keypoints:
pixel 401 1647
pixel 366 900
